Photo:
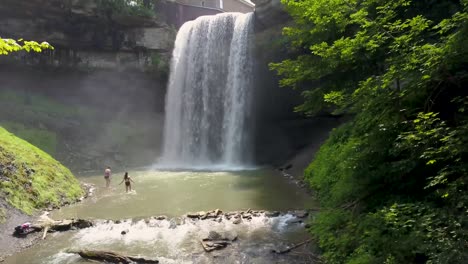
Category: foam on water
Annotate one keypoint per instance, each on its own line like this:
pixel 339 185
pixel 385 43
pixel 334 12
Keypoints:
pixel 169 239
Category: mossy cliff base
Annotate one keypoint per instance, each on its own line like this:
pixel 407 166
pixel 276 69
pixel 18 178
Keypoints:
pixel 31 179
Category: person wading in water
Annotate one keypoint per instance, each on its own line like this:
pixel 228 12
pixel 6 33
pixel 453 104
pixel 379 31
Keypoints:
pixel 107 175
pixel 127 180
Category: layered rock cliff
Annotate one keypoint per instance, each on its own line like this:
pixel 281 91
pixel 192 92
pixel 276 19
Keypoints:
pixel 98 98
pixel 85 34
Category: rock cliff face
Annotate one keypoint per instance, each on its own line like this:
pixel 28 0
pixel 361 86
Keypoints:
pixel 111 65
pixel 87 36
pixel 281 132
pixel 269 13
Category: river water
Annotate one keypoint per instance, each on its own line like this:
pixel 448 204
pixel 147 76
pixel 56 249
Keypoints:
pixel 175 240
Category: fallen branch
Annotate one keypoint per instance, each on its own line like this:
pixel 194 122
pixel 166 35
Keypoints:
pixel 291 248
pixel 62 225
pixel 45 232
pixel 110 257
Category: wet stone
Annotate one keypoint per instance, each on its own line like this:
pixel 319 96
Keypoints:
pixel 192 215
pixel 301 213
pixel 293 221
pixel 213 235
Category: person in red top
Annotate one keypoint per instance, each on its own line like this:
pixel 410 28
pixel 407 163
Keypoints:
pixel 107 175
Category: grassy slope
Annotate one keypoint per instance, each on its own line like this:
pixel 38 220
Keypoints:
pixel 30 178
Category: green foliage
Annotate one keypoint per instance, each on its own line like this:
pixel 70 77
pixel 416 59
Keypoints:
pixel 159 65
pixel 393 181
pixel 31 178
pixel 8 46
pixel 127 7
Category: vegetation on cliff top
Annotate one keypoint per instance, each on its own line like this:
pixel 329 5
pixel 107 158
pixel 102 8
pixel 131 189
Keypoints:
pixel 142 8
pixel 393 181
pixel 30 178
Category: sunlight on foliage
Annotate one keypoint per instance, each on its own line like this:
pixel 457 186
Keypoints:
pixel 392 181
pixel 8 46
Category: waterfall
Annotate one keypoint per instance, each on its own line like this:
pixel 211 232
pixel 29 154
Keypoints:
pixel 208 102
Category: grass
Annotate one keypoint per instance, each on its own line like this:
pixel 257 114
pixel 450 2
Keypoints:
pixel 30 178
pixel 41 138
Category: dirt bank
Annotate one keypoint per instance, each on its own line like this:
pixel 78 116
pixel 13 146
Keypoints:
pixel 8 243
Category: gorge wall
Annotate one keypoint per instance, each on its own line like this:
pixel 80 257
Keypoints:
pixel 281 132
pixel 98 98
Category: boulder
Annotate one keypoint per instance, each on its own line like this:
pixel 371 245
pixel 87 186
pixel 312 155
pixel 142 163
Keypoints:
pixel 218 240
pixel 193 215
pixel 301 213
pixel 161 217
pixel 294 221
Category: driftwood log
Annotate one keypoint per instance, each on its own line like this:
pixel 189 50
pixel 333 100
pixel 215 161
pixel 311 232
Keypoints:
pixel 61 225
pixel 48 225
pixel 110 257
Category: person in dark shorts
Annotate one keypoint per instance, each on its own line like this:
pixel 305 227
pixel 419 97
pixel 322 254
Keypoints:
pixel 128 181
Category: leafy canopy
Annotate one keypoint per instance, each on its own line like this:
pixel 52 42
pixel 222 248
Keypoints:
pixel 393 180
pixel 8 46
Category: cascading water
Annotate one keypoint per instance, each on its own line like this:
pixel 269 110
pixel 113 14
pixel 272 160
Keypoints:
pixel 208 103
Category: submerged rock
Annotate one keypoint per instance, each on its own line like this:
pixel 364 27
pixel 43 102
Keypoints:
pixel 293 221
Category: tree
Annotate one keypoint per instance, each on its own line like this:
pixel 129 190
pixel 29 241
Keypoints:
pixel 8 46
pixel 392 182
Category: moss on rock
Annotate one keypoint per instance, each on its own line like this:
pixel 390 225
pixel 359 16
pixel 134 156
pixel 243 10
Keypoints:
pixel 30 178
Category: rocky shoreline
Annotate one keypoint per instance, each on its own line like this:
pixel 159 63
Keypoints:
pixel 11 244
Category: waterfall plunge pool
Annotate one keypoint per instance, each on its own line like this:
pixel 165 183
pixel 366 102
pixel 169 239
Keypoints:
pixel 175 193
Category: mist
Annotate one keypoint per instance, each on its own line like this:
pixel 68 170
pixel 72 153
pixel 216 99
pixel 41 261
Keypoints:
pixel 103 118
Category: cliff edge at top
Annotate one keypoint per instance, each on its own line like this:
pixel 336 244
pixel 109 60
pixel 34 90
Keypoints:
pixel 86 33
pixel 269 13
